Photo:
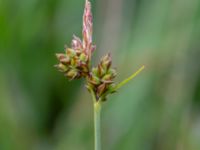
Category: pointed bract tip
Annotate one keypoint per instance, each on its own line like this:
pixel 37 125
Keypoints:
pixel 87 2
pixel 60 56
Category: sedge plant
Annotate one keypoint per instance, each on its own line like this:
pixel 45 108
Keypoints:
pixel 75 63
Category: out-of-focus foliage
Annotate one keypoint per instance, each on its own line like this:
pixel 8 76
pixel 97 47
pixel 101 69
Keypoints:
pixel 159 110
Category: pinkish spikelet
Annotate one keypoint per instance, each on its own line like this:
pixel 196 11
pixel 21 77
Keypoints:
pixel 87 29
pixel 76 43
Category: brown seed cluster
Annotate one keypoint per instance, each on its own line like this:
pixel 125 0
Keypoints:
pixel 100 79
pixel 75 62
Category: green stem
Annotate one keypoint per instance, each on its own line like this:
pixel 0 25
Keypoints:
pixel 97 120
pixel 97 125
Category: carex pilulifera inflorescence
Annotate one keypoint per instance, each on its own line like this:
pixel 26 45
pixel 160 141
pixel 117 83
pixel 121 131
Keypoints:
pixel 75 62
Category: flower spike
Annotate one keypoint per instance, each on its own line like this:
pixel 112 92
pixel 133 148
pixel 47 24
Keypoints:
pixel 75 63
pixel 88 29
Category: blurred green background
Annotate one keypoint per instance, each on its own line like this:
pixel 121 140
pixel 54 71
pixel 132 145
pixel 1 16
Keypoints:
pixel 159 110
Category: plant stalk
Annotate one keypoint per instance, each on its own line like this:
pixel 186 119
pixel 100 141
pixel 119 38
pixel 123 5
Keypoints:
pixel 97 125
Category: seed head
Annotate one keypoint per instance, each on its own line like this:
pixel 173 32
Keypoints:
pixel 101 78
pixel 76 60
pixel 74 63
